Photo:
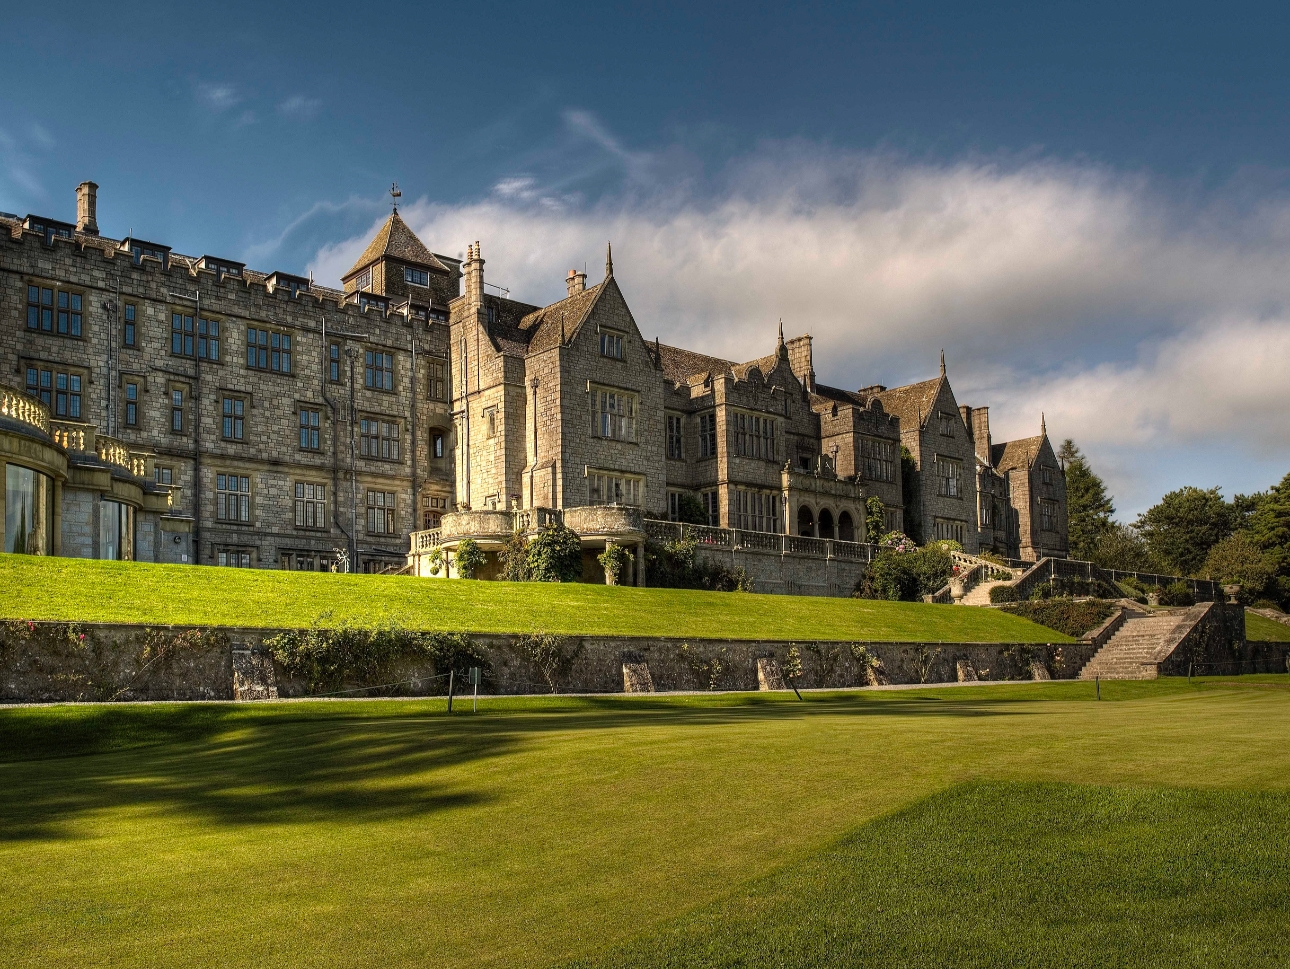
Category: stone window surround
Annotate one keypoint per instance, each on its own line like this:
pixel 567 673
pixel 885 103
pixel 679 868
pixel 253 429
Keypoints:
pixel 613 479
pixel 633 397
pixel 68 316
pixel 249 504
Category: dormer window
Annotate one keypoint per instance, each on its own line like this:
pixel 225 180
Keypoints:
pixel 139 249
pixel 417 277
pixel 378 303
pixel 221 267
pixel 364 280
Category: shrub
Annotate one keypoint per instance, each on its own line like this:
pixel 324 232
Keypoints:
pixel 1044 590
pixel 689 509
pixel 555 555
pixel 514 557
pixel 792 667
pixel 1003 593
pixel 612 560
pixel 946 545
pixel 905 576
pixel 1238 560
pixel 676 565
pixel 1065 615
pixel 1265 604
pixel 1178 594
pixel 469 558
pixel 707 670
pixel 898 542
pixel 875 516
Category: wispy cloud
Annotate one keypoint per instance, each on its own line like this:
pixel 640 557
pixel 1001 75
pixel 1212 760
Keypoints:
pixel 19 166
pixel 300 107
pixel 1146 326
pixel 218 97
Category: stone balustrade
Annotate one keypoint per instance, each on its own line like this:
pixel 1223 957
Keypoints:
pixel 19 406
pixel 72 435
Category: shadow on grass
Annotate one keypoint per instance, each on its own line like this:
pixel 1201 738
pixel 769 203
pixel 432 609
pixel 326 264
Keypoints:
pixel 361 761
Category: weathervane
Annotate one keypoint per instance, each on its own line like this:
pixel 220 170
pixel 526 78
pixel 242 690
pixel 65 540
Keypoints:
pixel 395 194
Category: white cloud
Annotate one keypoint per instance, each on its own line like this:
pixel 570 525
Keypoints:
pixel 300 107
pixel 218 97
pixel 1134 320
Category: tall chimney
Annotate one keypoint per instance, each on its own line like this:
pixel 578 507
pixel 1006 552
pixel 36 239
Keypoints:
pixel 474 278
pixel 87 203
pixel 981 433
pixel 576 282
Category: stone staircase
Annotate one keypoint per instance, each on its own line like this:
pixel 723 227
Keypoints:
pixel 1137 647
pixel 979 594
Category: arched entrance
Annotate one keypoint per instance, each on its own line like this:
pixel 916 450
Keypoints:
pixel 826 524
pixel 846 527
pixel 805 522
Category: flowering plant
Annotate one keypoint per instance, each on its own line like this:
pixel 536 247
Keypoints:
pixel 898 542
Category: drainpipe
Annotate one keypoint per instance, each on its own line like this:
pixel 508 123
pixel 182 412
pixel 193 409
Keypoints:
pixel 335 433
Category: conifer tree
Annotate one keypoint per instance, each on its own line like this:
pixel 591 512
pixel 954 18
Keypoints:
pixel 1089 508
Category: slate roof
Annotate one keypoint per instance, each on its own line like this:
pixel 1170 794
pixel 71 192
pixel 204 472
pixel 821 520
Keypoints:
pixel 911 402
pixel 1016 455
pixel 397 240
pixel 836 395
pixel 680 365
pixel 542 329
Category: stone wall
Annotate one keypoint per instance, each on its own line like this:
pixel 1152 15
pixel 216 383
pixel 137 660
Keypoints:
pixel 1216 645
pixel 44 662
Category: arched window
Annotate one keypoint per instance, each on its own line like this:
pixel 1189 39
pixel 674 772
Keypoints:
pixel 826 524
pixel 846 527
pixel 805 522
pixel 436 444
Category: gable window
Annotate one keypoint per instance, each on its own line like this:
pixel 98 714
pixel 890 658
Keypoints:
pixel 987 511
pixel 233 498
pixel 308 429
pixel 674 437
pixel 949 477
pixel 380 513
pixel 614 415
pixel 333 363
pixel 266 350
pixel 130 312
pixel 189 338
pixel 364 280
pixel 59 391
pixel 233 427
pixel 492 314
pixel 1047 515
pixel 438 376
pixel 611 345
pixel 378 370
pixel 877 459
pixel 946 421
pixel 613 488
pixel 1047 473
pixel 379 439
pixel 754 436
pixel 707 435
pixel 311 505
pixel 417 277
pixel 131 405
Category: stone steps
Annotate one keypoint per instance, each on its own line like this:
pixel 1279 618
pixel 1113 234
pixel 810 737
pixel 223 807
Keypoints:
pixel 1134 651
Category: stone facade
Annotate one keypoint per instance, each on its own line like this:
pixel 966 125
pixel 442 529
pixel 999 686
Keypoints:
pixel 270 421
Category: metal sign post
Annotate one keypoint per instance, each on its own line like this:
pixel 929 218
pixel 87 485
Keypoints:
pixel 450 672
pixel 473 679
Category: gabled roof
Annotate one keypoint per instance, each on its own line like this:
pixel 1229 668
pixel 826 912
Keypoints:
pixel 397 240
pixel 826 394
pixel 680 365
pixel 545 328
pixel 912 403
pixel 1016 455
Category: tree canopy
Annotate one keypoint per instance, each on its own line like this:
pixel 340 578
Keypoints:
pixel 1185 525
pixel 1089 508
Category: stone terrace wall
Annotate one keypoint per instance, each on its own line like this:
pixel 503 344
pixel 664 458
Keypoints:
pixel 44 662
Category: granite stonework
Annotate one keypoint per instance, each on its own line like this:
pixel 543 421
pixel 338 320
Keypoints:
pixel 47 662
pixel 276 422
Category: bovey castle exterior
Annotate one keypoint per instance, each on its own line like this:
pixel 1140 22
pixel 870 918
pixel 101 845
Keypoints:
pixel 171 408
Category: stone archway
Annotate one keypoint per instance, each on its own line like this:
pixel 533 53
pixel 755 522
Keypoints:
pixel 824 527
pixel 846 527
pixel 805 521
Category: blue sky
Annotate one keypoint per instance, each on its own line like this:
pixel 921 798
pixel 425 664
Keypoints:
pixel 1085 205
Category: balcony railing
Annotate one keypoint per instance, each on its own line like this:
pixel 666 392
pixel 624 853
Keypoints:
pixel 18 406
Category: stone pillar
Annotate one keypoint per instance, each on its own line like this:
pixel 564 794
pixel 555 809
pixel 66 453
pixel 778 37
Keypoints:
pixel 640 565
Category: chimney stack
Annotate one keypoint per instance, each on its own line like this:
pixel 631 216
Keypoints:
pixel 981 433
pixel 87 202
pixel 474 277
pixel 576 282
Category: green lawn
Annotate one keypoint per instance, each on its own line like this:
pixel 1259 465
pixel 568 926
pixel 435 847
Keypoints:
pixel 906 827
pixel 1264 629
pixel 83 590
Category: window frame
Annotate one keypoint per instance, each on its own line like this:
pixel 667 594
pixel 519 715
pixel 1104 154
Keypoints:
pixel 675 436
pixel 244 512
pixel 384 510
pixel 62 391
pixel 380 439
pixel 131 404
pixel 708 435
pixel 612 345
pixel 268 351
pixel 310 506
pixel 378 371
pixel 310 425
pixel 615 414
pixel 605 487
pixel 233 408
pixel 129 313
pixel 194 337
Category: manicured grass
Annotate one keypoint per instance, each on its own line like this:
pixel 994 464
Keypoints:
pixel 1266 630
pixel 349 833
pixel 1014 875
pixel 83 590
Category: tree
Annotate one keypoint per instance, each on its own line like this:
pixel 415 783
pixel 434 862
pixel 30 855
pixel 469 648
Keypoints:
pixel 689 509
pixel 1237 559
pixel 1088 506
pixel 1184 526
pixel 912 495
pixel 469 558
pixel 1121 547
pixel 1267 525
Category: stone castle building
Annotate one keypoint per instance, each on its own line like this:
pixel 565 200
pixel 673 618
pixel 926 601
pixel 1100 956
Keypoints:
pixel 174 408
